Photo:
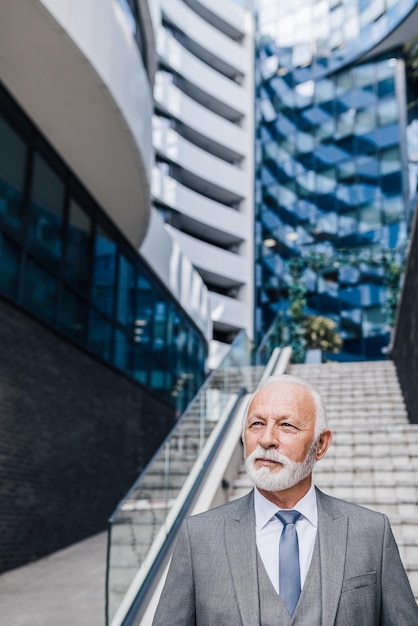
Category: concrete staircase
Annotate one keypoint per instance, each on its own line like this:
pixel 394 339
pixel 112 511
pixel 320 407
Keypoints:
pixel 373 459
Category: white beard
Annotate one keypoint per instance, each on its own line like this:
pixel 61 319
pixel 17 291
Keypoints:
pixel 282 478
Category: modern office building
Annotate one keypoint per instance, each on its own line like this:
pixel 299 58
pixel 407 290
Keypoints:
pixel 336 156
pixel 129 125
pixel 203 138
pixel 98 353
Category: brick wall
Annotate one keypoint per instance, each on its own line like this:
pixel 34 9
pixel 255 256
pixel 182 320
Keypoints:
pixel 73 437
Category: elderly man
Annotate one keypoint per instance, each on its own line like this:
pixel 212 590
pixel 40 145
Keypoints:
pixel 286 553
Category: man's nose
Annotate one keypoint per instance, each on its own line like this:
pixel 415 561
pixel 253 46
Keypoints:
pixel 268 438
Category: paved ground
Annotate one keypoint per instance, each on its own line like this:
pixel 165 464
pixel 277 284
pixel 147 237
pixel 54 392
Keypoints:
pixel 66 588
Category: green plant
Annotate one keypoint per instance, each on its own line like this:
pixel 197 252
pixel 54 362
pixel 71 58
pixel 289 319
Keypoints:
pixel 297 303
pixel 320 333
pixel 302 329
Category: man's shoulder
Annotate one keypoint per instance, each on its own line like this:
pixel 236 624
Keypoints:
pixel 350 509
pixel 233 508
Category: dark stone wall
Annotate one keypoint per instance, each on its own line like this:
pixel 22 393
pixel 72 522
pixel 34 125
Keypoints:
pixel 405 341
pixel 74 435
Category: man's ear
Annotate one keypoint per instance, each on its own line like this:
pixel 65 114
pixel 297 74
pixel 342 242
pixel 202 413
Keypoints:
pixel 324 443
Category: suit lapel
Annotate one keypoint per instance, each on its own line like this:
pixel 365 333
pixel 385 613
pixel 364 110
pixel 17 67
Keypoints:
pixel 241 551
pixel 332 534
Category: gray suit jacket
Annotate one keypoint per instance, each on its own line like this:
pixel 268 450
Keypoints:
pixel 212 579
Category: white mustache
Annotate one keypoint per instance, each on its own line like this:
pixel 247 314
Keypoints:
pixel 271 454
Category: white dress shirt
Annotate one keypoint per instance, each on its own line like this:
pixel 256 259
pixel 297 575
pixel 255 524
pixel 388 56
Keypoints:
pixel 269 529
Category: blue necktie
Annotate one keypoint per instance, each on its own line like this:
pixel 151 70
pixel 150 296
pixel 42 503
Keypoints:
pixel 289 570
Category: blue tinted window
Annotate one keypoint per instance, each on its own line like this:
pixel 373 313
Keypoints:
pixel 9 266
pixel 144 310
pixel 72 269
pixel 392 183
pixel 158 378
pixel 141 363
pixel 77 261
pixel 40 293
pixel 393 209
pixel 100 335
pixel 385 87
pixel 46 212
pixel 121 350
pixel 160 318
pixel 104 265
pixel 126 291
pixel 12 175
pixel 74 314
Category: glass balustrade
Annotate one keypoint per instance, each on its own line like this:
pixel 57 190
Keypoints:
pixel 151 509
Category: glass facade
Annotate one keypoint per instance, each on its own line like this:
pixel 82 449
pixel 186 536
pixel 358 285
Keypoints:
pixel 63 261
pixel 331 162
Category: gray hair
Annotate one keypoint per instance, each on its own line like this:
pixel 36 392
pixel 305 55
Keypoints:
pixel 321 422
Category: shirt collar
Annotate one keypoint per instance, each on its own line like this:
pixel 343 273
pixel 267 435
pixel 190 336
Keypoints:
pixel 266 510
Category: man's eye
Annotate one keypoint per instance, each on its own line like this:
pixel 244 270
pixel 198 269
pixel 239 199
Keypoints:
pixel 288 425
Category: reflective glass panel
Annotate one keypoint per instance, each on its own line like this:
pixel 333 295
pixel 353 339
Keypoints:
pixel 40 291
pixel 143 325
pixel 46 212
pixel 100 335
pixel 363 75
pixel 77 262
pixel 392 183
pixel 365 121
pixel 73 318
pixel 158 379
pixel 160 318
pixel 387 111
pixel 368 168
pixel 324 91
pixel 121 350
pixel 390 161
pixel 345 124
pixel 126 291
pixel 141 364
pixel 12 174
pixel 369 218
pixel 393 209
pixel 373 319
pixel 9 266
pixel 104 271
pixel 385 87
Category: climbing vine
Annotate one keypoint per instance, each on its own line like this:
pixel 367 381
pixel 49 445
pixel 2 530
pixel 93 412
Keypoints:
pixel 301 334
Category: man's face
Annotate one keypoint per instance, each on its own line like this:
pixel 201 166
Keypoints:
pixel 279 436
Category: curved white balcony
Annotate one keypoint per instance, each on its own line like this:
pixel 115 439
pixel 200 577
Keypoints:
pixel 222 94
pixel 214 47
pixel 229 313
pixel 228 139
pixel 174 268
pixel 225 15
pixel 200 170
pixel 219 266
pixel 202 216
pixel 84 84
